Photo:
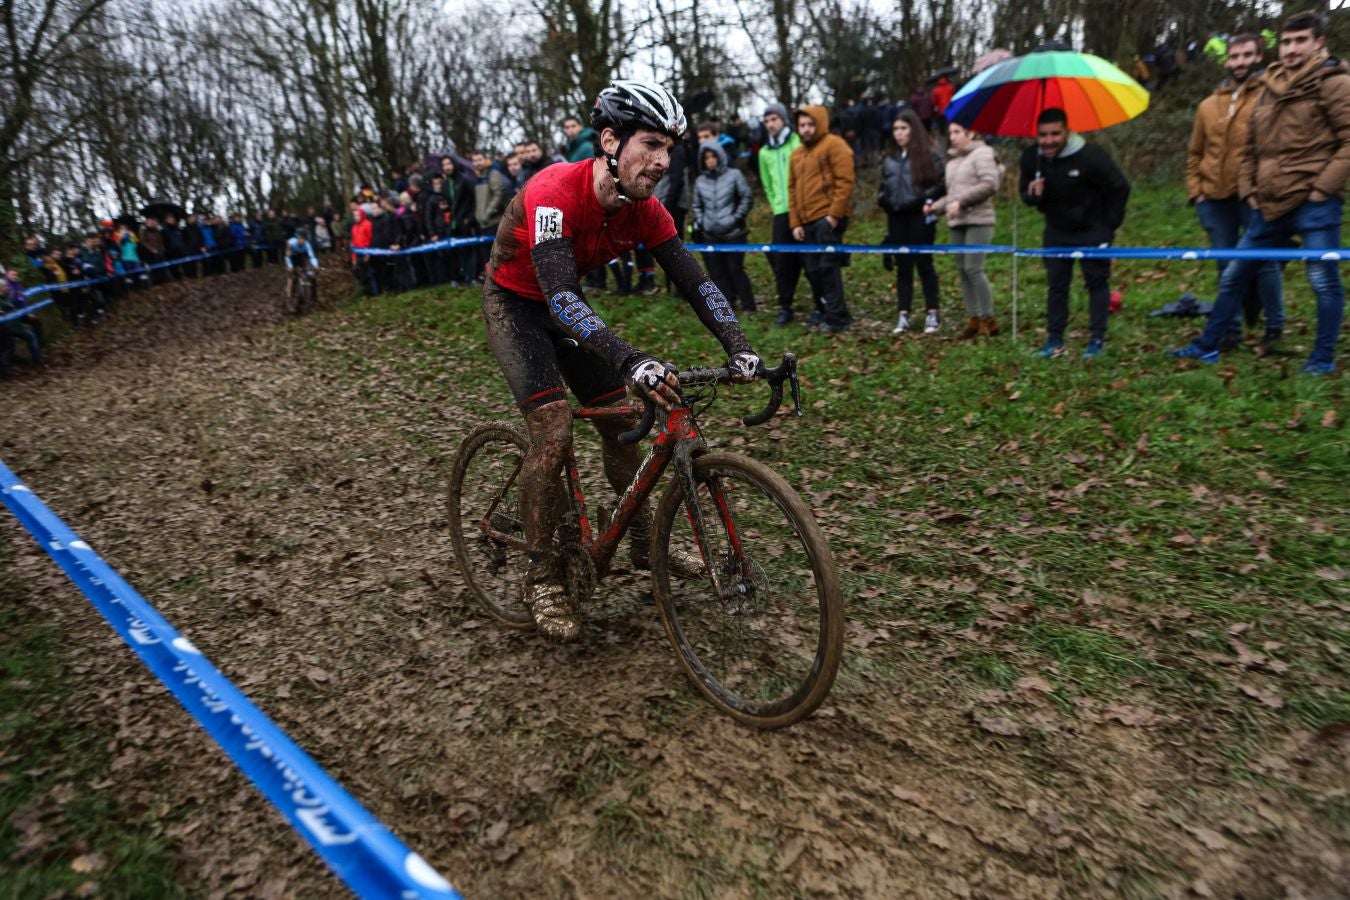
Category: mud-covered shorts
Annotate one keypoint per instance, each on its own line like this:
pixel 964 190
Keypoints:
pixel 538 358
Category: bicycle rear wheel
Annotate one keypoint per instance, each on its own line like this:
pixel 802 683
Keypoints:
pixel 766 646
pixel 485 524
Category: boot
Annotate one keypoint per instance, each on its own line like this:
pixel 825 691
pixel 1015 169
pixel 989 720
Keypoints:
pixel 988 326
pixel 972 328
pixel 554 613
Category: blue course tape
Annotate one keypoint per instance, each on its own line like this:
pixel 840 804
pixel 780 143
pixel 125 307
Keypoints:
pixel 355 845
pixel 1331 254
pixel 63 286
pixel 443 244
pixel 1182 253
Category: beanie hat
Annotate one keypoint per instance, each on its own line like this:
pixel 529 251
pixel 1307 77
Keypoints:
pixel 778 110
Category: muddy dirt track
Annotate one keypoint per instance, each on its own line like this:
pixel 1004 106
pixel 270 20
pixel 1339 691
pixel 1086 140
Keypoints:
pixel 276 515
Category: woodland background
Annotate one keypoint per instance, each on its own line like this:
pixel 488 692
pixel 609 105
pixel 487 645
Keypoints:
pixel 107 103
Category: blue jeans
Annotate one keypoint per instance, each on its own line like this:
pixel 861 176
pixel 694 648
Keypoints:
pixel 1223 221
pixel 1319 224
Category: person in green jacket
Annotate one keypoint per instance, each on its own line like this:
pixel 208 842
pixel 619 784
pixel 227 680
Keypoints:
pixel 773 174
pixel 582 143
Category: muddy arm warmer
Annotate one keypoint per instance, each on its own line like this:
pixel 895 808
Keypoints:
pixel 712 306
pixel 556 267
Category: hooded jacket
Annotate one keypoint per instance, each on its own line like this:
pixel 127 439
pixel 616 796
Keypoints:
pixel 973 178
pixel 820 174
pixel 722 198
pixel 774 161
pixel 1299 137
pixel 586 145
pixel 1085 192
pixel 1219 138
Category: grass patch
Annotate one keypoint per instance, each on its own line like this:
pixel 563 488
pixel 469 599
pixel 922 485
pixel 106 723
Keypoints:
pixel 52 821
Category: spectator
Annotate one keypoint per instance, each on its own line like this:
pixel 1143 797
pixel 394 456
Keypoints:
pixel 213 263
pixel 129 257
pixel 942 98
pixel 534 159
pixel 239 241
pixel 274 232
pixel 174 247
pixel 781 141
pixel 257 238
pixel 152 248
pixel 582 143
pixel 722 200
pixel 973 178
pixel 1293 175
pixel 516 173
pixel 16 329
pixel 1217 142
pixel 911 177
pixel 974 175
pixel 820 194
pixel 1082 194
pixel 361 235
pixel 491 194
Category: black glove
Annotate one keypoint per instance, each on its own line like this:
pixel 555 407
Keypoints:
pixel 738 226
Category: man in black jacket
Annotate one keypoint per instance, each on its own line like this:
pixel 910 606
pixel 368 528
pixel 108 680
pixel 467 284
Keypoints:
pixel 1082 194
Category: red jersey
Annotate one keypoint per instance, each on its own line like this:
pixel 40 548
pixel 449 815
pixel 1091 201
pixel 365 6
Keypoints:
pixel 560 201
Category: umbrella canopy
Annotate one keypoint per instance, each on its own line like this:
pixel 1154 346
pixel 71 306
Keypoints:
pixel 946 72
pixel 1006 98
pixel 160 208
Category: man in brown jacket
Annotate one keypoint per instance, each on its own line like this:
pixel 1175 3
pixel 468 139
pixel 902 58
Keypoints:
pixel 1293 174
pixel 820 196
pixel 1217 143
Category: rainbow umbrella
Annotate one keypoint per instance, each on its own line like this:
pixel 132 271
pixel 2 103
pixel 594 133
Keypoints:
pixel 1007 97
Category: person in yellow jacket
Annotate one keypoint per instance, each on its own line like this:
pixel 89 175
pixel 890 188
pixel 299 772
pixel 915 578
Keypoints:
pixel 1212 164
pixel 820 197
pixel 774 161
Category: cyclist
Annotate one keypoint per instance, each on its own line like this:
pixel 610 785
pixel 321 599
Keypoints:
pixel 300 259
pixel 570 219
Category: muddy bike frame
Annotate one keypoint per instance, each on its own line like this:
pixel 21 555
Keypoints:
pixel 678 441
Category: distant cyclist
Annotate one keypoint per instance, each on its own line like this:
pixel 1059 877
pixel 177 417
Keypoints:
pixel 300 262
pixel 568 220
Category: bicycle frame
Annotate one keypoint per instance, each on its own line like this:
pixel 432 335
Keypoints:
pixel 675 442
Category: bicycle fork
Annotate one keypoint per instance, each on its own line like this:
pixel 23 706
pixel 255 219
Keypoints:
pixel 684 471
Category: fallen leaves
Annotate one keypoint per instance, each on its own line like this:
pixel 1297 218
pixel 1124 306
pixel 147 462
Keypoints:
pixel 999 725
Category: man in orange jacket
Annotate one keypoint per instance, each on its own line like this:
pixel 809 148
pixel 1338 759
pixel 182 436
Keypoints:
pixel 1212 165
pixel 820 197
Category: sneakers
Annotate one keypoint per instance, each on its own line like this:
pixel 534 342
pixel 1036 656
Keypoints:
pixel 1095 348
pixel 901 324
pixel 646 285
pixel 552 610
pixel 816 317
pixel 1195 351
pixel 784 316
pixel 1053 349
pixel 1318 369
pixel 1268 342
pixel 972 328
pixel 931 325
pixel 828 328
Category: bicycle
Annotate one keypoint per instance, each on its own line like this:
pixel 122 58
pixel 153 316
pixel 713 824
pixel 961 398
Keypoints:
pixel 302 291
pixel 759 629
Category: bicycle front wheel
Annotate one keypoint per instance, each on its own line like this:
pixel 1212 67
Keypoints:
pixel 760 629
pixel 485 524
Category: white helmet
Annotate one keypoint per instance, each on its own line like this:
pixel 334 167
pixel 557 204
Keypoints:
pixel 627 105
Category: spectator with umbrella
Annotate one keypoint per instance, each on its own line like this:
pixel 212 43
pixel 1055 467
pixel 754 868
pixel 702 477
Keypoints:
pixel 1054 95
